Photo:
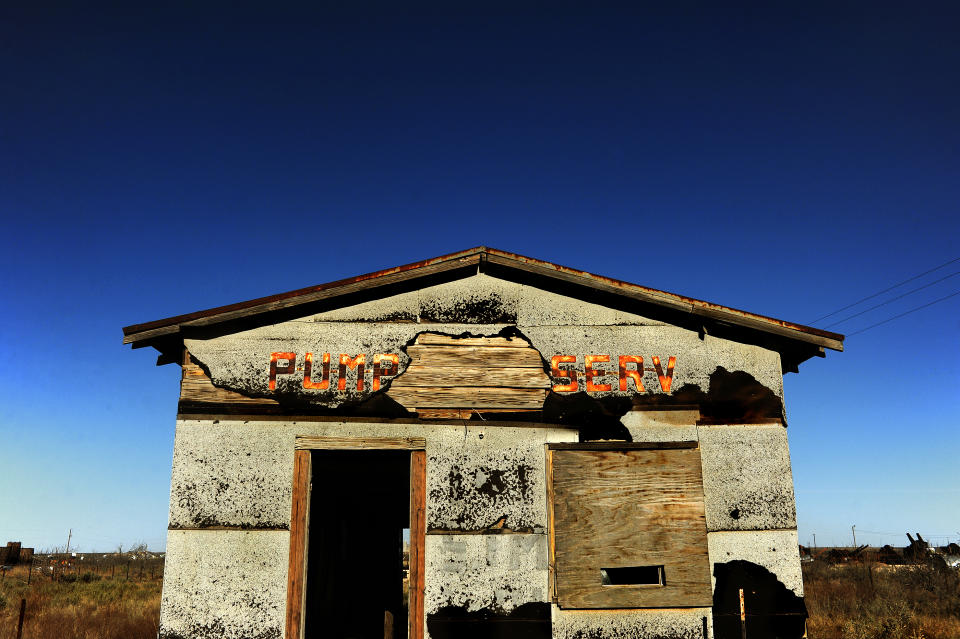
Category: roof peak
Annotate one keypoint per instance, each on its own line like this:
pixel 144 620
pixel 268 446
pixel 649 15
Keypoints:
pixel 484 259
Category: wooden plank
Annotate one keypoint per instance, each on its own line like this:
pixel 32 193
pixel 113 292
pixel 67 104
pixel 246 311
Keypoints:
pixel 416 398
pixel 436 339
pixel 305 442
pixel 468 413
pixel 428 375
pixel 551 535
pixel 626 508
pixel 475 356
pixel 299 532
pixel 195 386
pixel 418 527
pixel 621 445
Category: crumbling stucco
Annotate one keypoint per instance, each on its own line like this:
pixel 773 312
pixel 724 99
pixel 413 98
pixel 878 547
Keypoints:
pixel 483 478
pixel 237 473
pixel 225 476
pixel 493 572
pixel 224 584
pixel 747 482
pixel 689 623
pixel 776 550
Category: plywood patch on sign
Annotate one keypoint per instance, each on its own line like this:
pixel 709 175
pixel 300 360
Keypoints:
pixel 196 387
pixel 473 373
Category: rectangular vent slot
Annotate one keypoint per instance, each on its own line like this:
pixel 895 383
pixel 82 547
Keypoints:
pixel 632 576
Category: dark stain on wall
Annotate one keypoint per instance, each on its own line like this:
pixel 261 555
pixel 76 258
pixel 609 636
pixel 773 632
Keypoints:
pixel 490 309
pixel 531 620
pixel 602 632
pixel 216 630
pixel 772 610
pixel 775 506
pixel 473 498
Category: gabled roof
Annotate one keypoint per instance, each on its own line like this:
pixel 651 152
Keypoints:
pixel 502 264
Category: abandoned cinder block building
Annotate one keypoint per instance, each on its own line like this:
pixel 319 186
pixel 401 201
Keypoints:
pixel 565 455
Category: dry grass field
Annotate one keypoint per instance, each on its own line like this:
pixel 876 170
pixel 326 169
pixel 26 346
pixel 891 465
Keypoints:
pixel 80 604
pixel 877 601
pixel 850 601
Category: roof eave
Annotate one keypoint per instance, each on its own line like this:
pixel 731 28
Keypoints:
pixel 148 333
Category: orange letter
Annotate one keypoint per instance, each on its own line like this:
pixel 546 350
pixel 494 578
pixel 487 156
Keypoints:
pixel 665 380
pixel 558 372
pixel 384 371
pixel 357 363
pixel 590 372
pixel 290 366
pixel 634 375
pixel 324 382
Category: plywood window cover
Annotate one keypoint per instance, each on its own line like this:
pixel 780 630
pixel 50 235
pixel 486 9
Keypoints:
pixel 300 522
pixel 587 522
pixel 304 442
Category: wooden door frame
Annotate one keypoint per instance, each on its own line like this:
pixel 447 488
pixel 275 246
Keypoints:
pixel 300 522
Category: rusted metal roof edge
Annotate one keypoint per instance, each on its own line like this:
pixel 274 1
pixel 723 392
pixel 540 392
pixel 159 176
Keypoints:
pixel 168 326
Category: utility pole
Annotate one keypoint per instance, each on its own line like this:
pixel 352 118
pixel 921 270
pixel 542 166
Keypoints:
pixel 853 529
pixel 814 541
pixel 69 537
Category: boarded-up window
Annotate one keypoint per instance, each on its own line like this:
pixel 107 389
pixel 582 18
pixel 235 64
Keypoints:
pixel 629 528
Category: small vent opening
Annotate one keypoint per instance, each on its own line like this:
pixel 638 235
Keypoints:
pixel 632 576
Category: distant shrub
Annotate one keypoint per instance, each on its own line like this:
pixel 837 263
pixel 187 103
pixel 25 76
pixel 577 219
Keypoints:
pixel 88 576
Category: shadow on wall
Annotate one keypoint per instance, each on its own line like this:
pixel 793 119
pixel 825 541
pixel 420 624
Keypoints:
pixel 772 610
pixel 531 620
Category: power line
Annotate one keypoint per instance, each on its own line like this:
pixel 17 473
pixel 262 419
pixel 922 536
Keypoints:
pixel 870 297
pixel 893 299
pixel 912 310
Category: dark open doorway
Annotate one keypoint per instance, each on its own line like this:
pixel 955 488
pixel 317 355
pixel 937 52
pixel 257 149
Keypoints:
pixel 359 510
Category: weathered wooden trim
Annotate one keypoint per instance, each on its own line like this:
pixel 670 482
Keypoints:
pixel 469 397
pixel 551 541
pixel 439 339
pixel 420 375
pixel 476 356
pixel 293 419
pixel 305 442
pixel 622 445
pixel 464 414
pixel 418 525
pixel 299 532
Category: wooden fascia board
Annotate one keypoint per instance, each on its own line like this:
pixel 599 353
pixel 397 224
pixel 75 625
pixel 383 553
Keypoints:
pixel 143 334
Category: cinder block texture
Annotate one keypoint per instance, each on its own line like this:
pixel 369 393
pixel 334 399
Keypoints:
pixel 776 550
pixel 224 585
pixel 485 572
pixel 481 477
pixel 231 477
pixel 239 473
pixel 673 623
pixel 747 482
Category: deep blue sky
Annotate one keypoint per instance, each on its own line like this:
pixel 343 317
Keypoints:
pixel 787 161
